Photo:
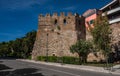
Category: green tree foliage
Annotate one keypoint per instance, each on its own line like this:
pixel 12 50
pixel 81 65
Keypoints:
pixel 102 34
pixel 28 42
pixel 82 48
pixel 3 49
pixel 21 47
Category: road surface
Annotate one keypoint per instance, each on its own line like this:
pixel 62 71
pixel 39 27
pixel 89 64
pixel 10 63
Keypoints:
pixel 12 67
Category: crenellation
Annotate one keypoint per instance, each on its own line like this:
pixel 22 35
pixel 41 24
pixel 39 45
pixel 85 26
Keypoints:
pixel 48 15
pixel 55 14
pixel 62 14
pixel 69 14
pixel 58 20
pixel 41 15
pixel 48 19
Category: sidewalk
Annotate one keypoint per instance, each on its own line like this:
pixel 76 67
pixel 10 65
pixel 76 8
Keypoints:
pixel 115 69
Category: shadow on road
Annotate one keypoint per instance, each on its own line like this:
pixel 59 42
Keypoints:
pixel 1 61
pixel 4 67
pixel 18 72
pixel 25 72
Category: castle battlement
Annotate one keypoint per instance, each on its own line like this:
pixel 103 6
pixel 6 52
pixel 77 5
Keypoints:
pixel 61 14
pixel 59 19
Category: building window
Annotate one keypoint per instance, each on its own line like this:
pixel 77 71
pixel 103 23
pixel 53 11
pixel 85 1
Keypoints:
pixel 91 22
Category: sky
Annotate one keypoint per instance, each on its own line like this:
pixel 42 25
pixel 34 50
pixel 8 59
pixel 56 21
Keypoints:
pixel 17 17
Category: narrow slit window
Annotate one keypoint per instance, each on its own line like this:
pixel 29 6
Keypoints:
pixel 64 21
pixel 55 22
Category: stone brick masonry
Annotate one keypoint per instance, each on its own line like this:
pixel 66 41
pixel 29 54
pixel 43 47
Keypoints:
pixel 116 32
pixel 57 33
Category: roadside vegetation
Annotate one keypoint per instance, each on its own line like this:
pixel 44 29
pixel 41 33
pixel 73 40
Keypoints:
pixel 64 59
pixel 19 48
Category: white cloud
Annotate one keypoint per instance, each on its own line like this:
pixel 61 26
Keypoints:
pixel 70 8
pixel 20 4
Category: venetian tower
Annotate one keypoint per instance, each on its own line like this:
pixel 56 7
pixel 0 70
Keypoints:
pixel 57 33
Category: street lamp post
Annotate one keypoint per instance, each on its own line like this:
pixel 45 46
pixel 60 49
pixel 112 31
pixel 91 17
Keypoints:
pixel 47 34
pixel 61 49
pixel 47 47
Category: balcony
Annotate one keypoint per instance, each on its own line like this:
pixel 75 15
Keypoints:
pixel 112 11
pixel 114 20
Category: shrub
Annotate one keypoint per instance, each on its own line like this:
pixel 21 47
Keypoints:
pixel 41 58
pixel 52 58
pixel 30 57
pixel 70 60
pixel 64 59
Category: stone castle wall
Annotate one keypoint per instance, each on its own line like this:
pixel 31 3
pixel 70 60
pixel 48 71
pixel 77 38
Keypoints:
pixel 56 41
pixel 115 39
pixel 116 32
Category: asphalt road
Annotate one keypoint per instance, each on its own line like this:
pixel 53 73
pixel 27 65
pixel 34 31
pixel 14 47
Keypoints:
pixel 12 67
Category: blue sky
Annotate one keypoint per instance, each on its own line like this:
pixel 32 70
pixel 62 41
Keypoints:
pixel 17 17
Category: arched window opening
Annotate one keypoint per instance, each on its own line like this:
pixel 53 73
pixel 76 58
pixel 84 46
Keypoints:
pixel 53 55
pixel 64 21
pixel 55 22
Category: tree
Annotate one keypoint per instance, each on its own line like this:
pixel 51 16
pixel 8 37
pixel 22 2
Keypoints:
pixel 4 49
pixel 28 43
pixel 21 47
pixel 17 47
pixel 82 48
pixel 102 35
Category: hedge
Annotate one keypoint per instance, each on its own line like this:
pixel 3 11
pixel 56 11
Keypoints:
pixel 64 59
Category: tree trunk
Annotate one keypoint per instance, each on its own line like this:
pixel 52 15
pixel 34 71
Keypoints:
pixel 80 59
pixel 107 64
pixel 84 59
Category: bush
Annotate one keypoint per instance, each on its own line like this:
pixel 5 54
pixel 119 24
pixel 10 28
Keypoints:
pixel 52 58
pixel 30 57
pixel 70 60
pixel 41 58
pixel 64 59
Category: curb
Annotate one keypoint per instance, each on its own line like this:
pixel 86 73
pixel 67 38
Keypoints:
pixel 80 67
